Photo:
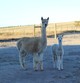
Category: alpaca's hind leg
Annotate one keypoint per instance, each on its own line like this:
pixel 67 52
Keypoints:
pixel 54 61
pixel 41 61
pixel 58 62
pixel 22 59
pixel 35 61
pixel 62 63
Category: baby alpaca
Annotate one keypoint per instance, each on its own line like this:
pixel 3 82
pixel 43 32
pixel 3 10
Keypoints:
pixel 58 52
pixel 34 46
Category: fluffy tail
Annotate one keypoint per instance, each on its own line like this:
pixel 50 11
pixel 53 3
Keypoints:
pixel 19 45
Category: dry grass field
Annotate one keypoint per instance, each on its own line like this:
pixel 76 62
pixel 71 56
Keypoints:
pixel 28 30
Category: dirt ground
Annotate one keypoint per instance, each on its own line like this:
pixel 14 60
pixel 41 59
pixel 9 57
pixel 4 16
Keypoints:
pixel 11 71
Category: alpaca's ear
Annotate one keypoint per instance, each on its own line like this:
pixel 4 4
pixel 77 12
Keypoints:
pixel 48 18
pixel 57 36
pixel 62 35
pixel 41 18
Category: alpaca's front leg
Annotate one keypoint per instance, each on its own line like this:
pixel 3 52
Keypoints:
pixel 35 62
pixel 41 61
pixel 58 62
pixel 35 65
pixel 62 62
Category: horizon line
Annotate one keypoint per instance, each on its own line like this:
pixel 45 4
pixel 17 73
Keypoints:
pixel 36 24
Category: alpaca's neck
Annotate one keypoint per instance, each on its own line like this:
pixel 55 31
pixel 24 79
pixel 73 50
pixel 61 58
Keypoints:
pixel 60 45
pixel 43 35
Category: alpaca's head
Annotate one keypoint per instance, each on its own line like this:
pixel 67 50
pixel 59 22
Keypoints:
pixel 44 22
pixel 60 38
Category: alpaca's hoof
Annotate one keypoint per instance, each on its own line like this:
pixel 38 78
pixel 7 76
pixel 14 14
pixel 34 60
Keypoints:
pixel 62 69
pixel 42 69
pixel 23 67
pixel 59 69
pixel 35 69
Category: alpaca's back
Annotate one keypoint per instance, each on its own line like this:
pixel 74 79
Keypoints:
pixel 30 45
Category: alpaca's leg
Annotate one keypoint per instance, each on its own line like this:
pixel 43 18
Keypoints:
pixel 35 61
pixel 55 61
pixel 62 62
pixel 58 62
pixel 22 59
pixel 35 65
pixel 41 61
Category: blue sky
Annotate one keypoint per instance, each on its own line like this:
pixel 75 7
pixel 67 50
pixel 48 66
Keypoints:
pixel 26 12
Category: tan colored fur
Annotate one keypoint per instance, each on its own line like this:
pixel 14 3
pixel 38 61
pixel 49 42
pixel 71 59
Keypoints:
pixel 34 46
pixel 58 52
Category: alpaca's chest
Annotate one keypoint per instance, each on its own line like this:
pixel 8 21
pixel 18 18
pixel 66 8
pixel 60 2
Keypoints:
pixel 60 51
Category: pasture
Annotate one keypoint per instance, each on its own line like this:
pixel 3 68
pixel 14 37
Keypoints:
pixel 13 32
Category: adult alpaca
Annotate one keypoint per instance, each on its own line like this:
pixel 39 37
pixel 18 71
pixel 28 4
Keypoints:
pixel 58 52
pixel 34 46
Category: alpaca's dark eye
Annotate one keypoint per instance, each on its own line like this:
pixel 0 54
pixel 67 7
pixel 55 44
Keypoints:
pixel 42 22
